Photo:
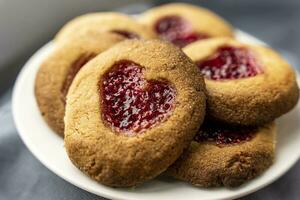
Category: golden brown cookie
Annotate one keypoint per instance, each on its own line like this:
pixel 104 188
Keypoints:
pixel 116 23
pixel 58 70
pixel 226 156
pixel 183 24
pixel 246 84
pixel 129 113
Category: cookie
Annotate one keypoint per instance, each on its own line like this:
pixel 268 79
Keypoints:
pixel 183 24
pixel 57 72
pixel 111 22
pixel 246 84
pixel 226 156
pixel 129 113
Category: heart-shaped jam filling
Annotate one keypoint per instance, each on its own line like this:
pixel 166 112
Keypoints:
pixel 126 34
pixel 223 135
pixel 230 62
pixel 177 30
pixel 130 103
pixel 73 70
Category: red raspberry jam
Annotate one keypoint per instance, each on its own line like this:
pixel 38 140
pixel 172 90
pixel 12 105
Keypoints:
pixel 126 34
pixel 177 30
pixel 74 69
pixel 230 62
pixel 130 103
pixel 224 135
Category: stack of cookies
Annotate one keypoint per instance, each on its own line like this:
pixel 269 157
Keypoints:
pixel 170 91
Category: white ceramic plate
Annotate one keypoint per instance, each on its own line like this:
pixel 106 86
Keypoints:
pixel 49 148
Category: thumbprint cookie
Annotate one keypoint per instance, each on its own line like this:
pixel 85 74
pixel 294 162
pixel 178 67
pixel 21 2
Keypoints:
pixel 183 24
pixel 129 113
pixel 246 84
pixel 111 22
pixel 59 69
pixel 226 156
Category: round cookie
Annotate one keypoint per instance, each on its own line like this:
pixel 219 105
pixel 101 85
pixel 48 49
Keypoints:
pixel 183 24
pixel 57 72
pixel 246 84
pixel 226 156
pixel 129 113
pixel 115 23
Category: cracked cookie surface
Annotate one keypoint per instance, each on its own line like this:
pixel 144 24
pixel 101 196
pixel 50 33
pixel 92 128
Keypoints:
pixel 208 164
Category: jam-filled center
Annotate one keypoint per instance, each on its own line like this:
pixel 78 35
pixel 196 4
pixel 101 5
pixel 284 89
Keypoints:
pixel 73 70
pixel 177 30
pixel 223 135
pixel 230 62
pixel 126 34
pixel 130 103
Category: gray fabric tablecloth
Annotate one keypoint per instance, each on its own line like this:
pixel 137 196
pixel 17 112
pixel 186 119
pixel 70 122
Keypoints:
pixel 23 177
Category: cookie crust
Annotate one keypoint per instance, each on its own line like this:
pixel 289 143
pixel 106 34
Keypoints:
pixel 52 74
pixel 207 165
pixel 201 19
pixel 122 161
pixel 104 22
pixel 248 101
